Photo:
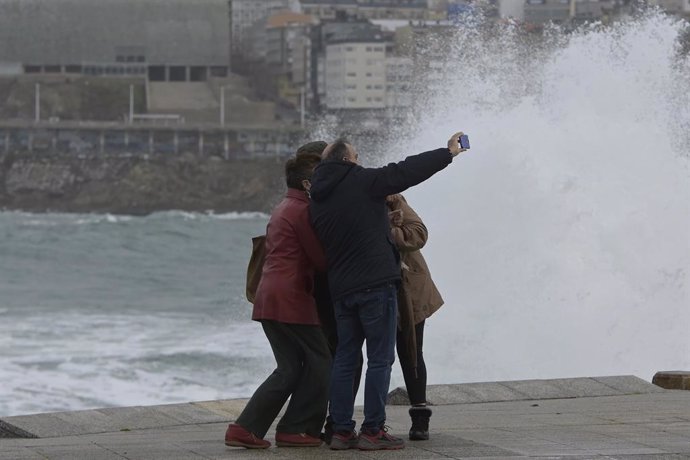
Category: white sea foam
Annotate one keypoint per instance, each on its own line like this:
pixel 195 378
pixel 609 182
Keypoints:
pixel 72 361
pixel 63 219
pixel 560 241
pixel 209 215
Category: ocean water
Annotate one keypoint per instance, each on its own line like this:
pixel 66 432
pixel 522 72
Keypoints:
pixel 100 310
pixel 561 241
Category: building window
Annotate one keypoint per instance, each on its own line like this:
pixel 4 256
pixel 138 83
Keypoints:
pixel 157 73
pixel 197 74
pixel 351 74
pixel 178 73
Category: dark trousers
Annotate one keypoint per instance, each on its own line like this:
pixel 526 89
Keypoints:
pixel 302 373
pixel 366 315
pixel 415 379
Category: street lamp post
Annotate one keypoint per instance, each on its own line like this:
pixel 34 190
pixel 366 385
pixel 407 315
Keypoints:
pixel 38 103
pixel 222 105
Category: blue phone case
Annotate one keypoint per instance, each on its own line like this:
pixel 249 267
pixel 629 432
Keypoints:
pixel 464 141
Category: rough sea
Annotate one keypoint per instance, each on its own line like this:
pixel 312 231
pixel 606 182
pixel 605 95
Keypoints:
pixel 101 310
pixel 560 241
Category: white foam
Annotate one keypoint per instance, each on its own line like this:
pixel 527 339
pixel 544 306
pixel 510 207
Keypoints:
pixel 211 215
pixel 73 360
pixel 560 241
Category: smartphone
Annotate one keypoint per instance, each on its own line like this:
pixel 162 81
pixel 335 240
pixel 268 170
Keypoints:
pixel 464 141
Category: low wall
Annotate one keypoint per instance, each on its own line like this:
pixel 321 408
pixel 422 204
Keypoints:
pixel 137 184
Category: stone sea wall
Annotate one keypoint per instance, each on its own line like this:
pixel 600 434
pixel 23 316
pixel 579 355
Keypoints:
pixel 138 185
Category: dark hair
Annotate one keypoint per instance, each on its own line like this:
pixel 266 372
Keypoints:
pixel 316 147
pixel 338 151
pixel 300 168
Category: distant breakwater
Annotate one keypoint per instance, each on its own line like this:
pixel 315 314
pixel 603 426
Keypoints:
pixel 138 185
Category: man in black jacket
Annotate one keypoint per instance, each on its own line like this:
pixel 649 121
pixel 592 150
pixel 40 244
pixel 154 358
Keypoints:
pixel 349 213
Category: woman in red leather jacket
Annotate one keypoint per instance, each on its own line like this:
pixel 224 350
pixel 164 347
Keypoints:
pixel 286 308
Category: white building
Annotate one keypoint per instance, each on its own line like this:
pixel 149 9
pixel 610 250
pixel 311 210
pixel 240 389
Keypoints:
pixel 542 11
pixel 511 9
pixel 399 76
pixel 355 75
pixel 673 6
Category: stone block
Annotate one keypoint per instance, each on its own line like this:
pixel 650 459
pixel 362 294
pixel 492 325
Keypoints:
pixel 629 384
pixel 583 387
pixel 40 426
pixel 672 380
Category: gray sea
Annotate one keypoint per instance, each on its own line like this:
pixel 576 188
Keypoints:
pixel 101 310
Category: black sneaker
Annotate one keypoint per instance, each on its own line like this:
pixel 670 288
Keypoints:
pixel 380 440
pixel 343 440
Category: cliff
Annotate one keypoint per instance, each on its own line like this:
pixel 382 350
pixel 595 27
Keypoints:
pixel 129 185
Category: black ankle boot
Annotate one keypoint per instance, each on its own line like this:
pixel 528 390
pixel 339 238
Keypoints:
pixel 420 423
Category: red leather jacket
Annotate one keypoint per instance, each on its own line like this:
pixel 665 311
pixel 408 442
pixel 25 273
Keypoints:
pixel 293 254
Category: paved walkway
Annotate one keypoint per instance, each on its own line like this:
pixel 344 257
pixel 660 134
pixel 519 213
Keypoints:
pixel 572 419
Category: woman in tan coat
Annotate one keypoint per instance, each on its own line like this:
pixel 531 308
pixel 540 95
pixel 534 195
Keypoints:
pixel 418 298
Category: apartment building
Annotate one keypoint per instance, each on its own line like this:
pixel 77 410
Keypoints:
pixel 399 79
pixel 394 9
pixel 329 9
pixel 559 11
pixel 511 9
pixel 673 6
pixel 288 55
pixel 368 9
pixel 355 74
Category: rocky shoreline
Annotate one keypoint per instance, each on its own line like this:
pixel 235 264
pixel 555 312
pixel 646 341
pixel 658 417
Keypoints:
pixel 138 185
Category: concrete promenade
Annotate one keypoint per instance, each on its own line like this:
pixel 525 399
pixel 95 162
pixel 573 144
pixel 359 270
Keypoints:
pixel 586 418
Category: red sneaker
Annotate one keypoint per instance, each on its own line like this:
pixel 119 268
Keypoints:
pixel 380 440
pixel 296 440
pixel 343 440
pixel 236 436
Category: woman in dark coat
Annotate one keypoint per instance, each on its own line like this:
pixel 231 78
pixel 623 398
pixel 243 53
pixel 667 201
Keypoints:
pixel 418 299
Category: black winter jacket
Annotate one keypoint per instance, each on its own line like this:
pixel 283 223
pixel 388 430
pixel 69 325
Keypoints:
pixel 349 213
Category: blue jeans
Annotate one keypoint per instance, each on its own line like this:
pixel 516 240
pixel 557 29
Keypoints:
pixel 365 315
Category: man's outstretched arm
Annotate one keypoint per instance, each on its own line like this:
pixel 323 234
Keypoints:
pixel 398 177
